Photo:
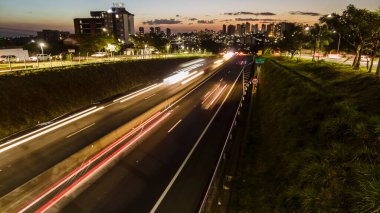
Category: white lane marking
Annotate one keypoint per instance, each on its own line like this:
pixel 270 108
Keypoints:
pixel 80 130
pixel 46 127
pixel 220 157
pixel 137 94
pixel 174 126
pixel 49 130
pixel 149 96
pixel 192 150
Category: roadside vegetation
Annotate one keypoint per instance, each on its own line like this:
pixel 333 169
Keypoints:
pixel 313 141
pixel 29 98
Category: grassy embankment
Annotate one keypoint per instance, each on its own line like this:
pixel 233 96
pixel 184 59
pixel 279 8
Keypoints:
pixel 29 98
pixel 313 141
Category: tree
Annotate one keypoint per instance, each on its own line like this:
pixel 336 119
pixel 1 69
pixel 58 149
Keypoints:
pixel 319 37
pixel 91 43
pixel 159 42
pixel 206 42
pixel 294 39
pixel 357 27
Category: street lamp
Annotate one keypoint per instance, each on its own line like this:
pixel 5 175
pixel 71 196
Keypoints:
pixel 42 47
pixel 337 51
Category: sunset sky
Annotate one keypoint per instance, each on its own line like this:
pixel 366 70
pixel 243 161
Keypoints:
pixel 24 17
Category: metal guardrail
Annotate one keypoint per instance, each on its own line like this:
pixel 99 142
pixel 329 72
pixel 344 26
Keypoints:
pixel 219 169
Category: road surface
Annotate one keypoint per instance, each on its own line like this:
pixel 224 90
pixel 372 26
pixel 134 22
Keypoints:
pixel 171 167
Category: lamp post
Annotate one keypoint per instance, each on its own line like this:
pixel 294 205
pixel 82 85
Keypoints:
pixel 42 47
pixel 339 36
pixel 338 44
pixel 145 46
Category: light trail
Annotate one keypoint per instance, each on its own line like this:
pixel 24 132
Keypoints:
pixel 217 96
pixel 141 90
pixel 209 94
pixel 46 127
pixel 99 166
pixel 139 93
pixel 192 78
pixel 96 157
pixel 49 130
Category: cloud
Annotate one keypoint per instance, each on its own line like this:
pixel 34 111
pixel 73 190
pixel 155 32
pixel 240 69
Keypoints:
pixel 193 19
pixel 304 13
pixel 226 20
pixel 205 21
pixel 259 19
pixel 250 13
pixel 162 21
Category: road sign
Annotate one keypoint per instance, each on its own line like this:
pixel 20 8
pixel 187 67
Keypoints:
pixel 260 52
pixel 71 50
pixel 260 60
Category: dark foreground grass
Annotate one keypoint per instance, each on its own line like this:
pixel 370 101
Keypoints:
pixel 314 141
pixel 27 99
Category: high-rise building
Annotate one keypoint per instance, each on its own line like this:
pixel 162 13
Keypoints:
pixel 151 30
pixel 247 28
pixel 92 26
pixel 255 28
pixel 141 30
pixel 238 29
pixel 231 29
pixel 263 28
pixel 270 30
pixel 242 29
pixel 157 30
pixel 168 32
pixel 116 21
pixel 224 29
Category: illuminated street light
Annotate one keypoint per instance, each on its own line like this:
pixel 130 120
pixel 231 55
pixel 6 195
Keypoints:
pixel 104 29
pixel 42 47
pixel 307 28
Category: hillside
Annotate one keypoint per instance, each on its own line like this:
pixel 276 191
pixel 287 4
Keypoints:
pixel 313 141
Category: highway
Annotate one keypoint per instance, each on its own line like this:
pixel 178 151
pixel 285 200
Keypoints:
pixel 151 154
pixel 171 167
pixel 24 157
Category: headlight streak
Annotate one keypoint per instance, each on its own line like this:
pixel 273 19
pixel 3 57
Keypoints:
pixel 134 93
pixel 207 106
pixel 142 92
pixel 49 130
pixel 192 78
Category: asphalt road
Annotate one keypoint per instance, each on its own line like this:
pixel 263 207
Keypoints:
pixel 172 165
pixel 27 160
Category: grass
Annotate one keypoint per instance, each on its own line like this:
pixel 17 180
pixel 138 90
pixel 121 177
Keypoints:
pixel 29 98
pixel 313 143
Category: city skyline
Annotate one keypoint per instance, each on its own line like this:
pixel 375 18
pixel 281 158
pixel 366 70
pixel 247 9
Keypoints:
pixel 180 17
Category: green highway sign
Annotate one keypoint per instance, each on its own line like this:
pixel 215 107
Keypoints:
pixel 259 60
